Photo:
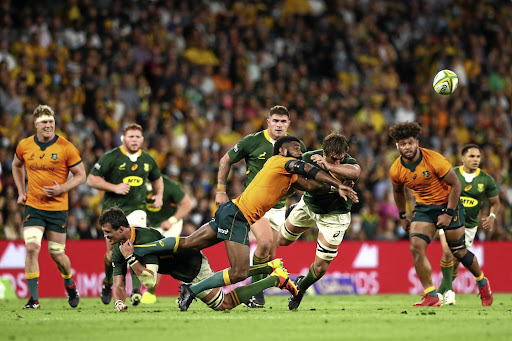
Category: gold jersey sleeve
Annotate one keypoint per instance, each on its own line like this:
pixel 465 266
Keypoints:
pixel 45 165
pixel 266 189
pixel 425 178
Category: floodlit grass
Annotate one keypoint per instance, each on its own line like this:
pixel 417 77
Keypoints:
pixel 319 318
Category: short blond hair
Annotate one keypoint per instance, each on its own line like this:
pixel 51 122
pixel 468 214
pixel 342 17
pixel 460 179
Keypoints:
pixel 41 110
pixel 133 126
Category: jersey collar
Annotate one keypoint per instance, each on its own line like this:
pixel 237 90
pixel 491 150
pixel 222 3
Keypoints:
pixel 412 166
pixel 123 150
pixel 132 236
pixel 461 170
pixel 44 145
pixel 269 139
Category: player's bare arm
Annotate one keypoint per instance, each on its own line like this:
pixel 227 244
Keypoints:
pixel 18 173
pixel 158 189
pixel 399 195
pixel 345 171
pixel 78 178
pixel 224 167
pixel 119 293
pixel 98 182
pixel 310 172
pixel 488 222
pixel 453 199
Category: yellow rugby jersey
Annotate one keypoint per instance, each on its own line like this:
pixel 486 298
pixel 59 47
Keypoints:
pixel 44 163
pixel 423 177
pixel 266 189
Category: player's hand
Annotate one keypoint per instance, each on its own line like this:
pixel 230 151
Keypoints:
pixel 221 198
pixel 120 306
pixel 320 161
pixel 488 223
pixel 126 248
pixel 22 198
pixel 347 193
pixel 53 191
pixel 166 225
pixel 122 189
pixel 406 224
pixel 349 183
pixel 157 201
pixel 443 220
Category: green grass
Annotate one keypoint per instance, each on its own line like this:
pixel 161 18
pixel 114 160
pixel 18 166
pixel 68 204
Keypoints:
pixel 381 317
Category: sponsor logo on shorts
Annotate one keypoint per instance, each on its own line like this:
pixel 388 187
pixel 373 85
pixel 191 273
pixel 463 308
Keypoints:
pixel 223 231
pixel 336 234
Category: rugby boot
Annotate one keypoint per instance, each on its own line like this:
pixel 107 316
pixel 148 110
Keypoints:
pixel 186 297
pixel 284 281
pixel 486 294
pixel 449 297
pixel 429 301
pixel 73 296
pixel 294 301
pixel 31 304
pixel 106 293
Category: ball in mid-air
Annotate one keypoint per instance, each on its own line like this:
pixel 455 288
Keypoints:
pixel 445 82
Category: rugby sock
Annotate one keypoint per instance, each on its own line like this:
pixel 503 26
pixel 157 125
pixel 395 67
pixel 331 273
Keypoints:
pixel 244 293
pixel 33 283
pixel 166 245
pixel 217 280
pixel 455 274
pixel 481 281
pixel 260 269
pixel 135 282
pixel 257 261
pixel 68 280
pixel 447 270
pixel 430 291
pixel 109 270
pixel 310 278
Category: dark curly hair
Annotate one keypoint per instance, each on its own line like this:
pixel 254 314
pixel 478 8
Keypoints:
pixel 404 130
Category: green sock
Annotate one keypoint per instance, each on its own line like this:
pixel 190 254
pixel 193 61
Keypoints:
pixel 481 283
pixel 430 291
pixel 257 261
pixel 68 281
pixel 135 281
pixel 311 278
pixel 446 283
pixel 33 284
pixel 242 294
pixel 217 280
pixel 260 269
pixel 166 245
pixel 109 270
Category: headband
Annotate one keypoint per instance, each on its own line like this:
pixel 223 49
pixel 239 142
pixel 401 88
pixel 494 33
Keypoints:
pixel 44 118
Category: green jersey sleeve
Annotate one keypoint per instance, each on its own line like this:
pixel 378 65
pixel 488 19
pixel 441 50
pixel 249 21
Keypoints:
pixel 154 172
pixel 102 166
pixel 491 188
pixel 241 150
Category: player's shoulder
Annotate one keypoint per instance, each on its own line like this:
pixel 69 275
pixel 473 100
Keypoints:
pixel 396 165
pixel 486 175
pixel 147 234
pixel 349 159
pixel 27 142
pixel 431 154
pixel 170 182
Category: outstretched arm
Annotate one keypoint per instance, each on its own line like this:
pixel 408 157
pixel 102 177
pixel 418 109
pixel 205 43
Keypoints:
pixel 222 175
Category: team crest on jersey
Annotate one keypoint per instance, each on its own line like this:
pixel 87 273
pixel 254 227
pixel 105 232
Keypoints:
pixel 123 166
pixel 146 167
pixel 55 156
pixel 468 187
pixel 480 188
pixel 134 167
pixel 262 156
pixel 426 174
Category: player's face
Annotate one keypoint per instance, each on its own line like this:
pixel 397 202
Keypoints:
pixel 335 159
pixel 277 126
pixel 45 129
pixel 113 236
pixel 133 140
pixel 408 147
pixel 292 149
pixel 471 160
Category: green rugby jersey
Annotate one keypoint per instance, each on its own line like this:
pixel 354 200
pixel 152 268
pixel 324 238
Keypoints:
pixel 183 266
pixel 116 167
pixel 173 193
pixel 473 193
pixel 328 202
pixel 256 149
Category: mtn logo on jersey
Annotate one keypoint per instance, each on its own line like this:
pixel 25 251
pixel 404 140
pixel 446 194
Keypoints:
pixel 468 202
pixel 262 156
pixel 133 181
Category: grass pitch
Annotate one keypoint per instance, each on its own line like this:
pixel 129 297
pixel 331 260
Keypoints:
pixel 380 317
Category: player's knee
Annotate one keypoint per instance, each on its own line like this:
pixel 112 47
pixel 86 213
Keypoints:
pixel 286 236
pixel 466 258
pixel 56 248
pixel 418 242
pixel 32 249
pixel 238 274
pixel 457 247
pixel 264 246
pixel 320 268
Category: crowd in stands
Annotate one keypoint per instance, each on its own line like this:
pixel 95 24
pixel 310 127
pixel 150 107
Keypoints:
pixel 200 75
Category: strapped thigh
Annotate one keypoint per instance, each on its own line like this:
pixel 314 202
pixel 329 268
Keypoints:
pixel 457 245
pixel 421 236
